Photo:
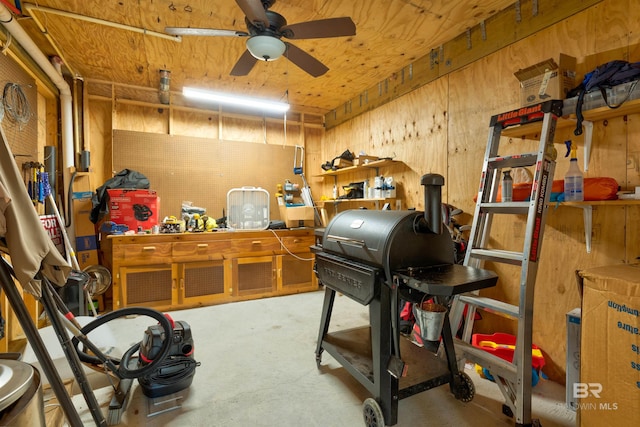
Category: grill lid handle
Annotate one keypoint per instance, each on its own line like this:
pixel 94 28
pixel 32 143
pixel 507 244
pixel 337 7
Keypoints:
pixel 346 240
pixel 433 201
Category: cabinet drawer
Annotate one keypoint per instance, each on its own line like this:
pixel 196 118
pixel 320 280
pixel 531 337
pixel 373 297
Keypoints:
pixel 297 243
pixel 137 253
pixel 252 247
pixel 200 251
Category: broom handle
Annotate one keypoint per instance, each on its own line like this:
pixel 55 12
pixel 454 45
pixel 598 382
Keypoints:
pixel 70 252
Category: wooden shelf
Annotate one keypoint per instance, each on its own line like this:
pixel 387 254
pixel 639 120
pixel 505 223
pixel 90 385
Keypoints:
pixel 371 165
pixel 587 213
pixel 532 130
pixel 336 202
pixel 618 202
pixel 323 202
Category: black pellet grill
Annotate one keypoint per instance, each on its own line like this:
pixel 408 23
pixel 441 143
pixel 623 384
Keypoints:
pixel 378 258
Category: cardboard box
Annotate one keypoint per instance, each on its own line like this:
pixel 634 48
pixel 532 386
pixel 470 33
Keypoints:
pixel 547 80
pixel 87 258
pixel 81 213
pixel 340 163
pixel 609 387
pixel 297 216
pixel 573 355
pixel 363 160
pixel 134 208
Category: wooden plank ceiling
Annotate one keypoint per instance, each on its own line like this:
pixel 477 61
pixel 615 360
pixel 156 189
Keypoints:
pixel 390 34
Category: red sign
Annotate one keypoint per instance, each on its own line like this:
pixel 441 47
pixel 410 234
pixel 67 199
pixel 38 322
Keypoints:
pixel 54 231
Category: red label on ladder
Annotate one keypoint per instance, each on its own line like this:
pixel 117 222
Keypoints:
pixel 524 115
pixel 540 203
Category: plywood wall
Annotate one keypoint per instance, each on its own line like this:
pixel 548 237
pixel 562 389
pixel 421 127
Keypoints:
pixel 202 171
pixel 443 128
pixel 412 129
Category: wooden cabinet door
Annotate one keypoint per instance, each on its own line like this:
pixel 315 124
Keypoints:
pixel 295 273
pixel 253 276
pixel 202 283
pixel 150 286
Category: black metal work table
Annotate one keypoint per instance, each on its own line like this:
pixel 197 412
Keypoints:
pixel 366 352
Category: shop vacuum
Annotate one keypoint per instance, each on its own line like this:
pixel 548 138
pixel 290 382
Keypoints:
pixel 176 372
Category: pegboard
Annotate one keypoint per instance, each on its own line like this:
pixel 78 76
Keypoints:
pixel 21 137
pixel 202 170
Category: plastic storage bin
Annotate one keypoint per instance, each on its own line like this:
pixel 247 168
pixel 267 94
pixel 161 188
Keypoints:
pixel 248 208
pixel 503 346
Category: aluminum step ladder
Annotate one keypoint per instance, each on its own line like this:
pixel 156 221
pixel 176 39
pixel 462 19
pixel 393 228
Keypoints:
pixel 513 379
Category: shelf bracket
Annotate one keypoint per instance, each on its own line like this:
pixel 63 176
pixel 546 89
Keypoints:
pixel 588 137
pixel 587 216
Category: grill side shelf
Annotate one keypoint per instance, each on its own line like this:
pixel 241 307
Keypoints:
pixel 447 280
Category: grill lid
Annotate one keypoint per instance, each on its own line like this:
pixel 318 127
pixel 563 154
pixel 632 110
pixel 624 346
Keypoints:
pixel 388 239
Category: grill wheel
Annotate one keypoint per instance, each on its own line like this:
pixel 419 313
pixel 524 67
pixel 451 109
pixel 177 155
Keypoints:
pixel 463 388
pixel 372 413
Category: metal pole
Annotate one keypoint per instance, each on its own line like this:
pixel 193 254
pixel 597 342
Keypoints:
pixel 31 332
pixel 72 356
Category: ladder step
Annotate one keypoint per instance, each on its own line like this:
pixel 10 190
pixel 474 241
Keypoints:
pixel 494 364
pixel 498 255
pixel 494 306
pixel 514 161
pixel 506 207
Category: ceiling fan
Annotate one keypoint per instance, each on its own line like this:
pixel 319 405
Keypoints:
pixel 265 30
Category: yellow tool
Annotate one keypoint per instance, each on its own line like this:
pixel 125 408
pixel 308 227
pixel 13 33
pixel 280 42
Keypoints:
pixel 534 351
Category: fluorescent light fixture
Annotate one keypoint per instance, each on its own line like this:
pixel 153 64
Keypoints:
pixel 240 101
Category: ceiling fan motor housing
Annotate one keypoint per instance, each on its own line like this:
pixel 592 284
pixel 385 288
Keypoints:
pixel 276 21
pixel 265 44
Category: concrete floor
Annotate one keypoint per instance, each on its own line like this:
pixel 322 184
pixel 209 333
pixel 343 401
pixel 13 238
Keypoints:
pixel 258 368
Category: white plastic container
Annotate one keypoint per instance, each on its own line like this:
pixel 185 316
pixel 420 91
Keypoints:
pixel 248 208
pixel 573 182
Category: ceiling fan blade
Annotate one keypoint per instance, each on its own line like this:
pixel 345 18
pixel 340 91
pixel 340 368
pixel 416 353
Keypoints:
pixel 322 28
pixel 244 64
pixel 255 13
pixel 184 31
pixel 305 61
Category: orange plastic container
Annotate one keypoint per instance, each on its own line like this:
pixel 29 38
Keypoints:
pixel 503 346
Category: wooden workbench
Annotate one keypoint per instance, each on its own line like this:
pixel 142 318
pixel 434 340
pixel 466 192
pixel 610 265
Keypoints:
pixel 184 270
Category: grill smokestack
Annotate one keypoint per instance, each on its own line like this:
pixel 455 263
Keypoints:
pixel 433 201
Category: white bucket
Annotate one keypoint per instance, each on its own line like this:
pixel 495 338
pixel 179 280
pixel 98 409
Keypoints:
pixel 430 318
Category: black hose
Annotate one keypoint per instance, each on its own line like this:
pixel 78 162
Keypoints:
pixel 123 363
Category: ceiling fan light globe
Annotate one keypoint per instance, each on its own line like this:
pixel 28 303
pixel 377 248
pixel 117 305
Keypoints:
pixel 266 48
